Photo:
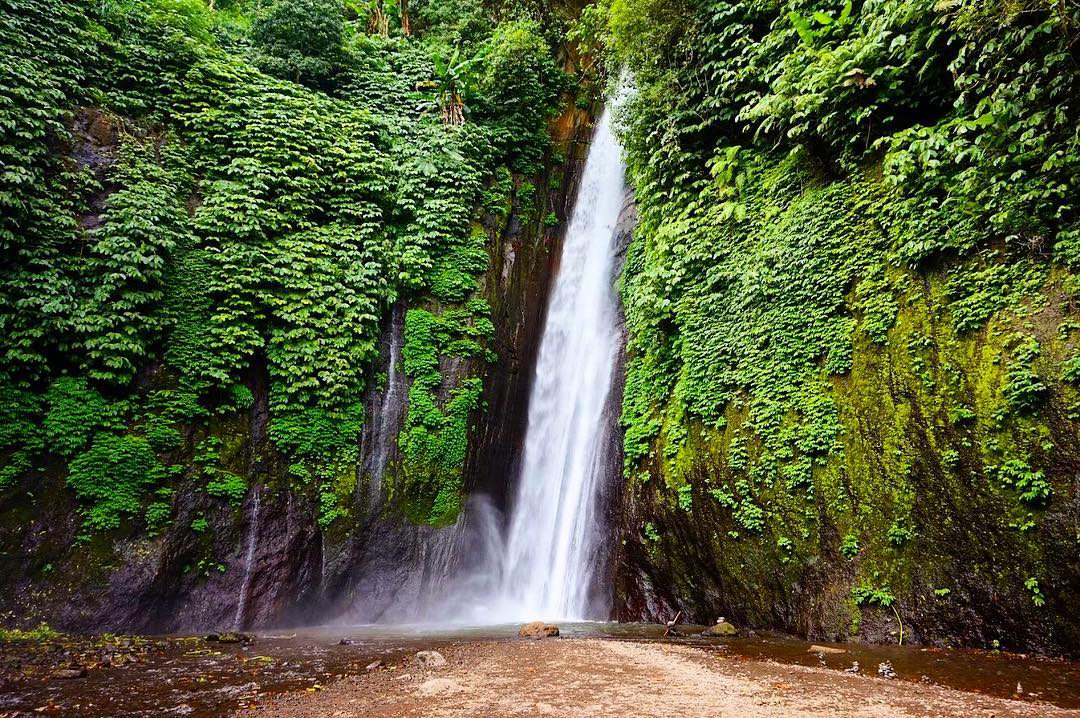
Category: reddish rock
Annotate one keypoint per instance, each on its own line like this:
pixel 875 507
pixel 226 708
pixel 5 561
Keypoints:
pixel 538 629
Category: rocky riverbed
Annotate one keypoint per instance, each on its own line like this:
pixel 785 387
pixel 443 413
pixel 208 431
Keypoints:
pixel 508 670
pixel 198 676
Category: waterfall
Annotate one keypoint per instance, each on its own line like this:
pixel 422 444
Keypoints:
pixel 545 565
pixel 249 560
pixel 539 564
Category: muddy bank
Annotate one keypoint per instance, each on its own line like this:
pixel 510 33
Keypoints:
pixel 592 677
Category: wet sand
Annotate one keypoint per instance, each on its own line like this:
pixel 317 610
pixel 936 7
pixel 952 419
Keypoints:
pixel 588 677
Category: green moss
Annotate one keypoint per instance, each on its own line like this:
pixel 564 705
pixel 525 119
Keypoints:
pixel 43 632
pixel 434 441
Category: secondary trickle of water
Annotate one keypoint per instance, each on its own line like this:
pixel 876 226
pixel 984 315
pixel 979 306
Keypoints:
pixel 249 560
pixel 546 563
pixel 386 430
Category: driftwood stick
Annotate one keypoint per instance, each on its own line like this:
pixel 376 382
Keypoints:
pixel 671 624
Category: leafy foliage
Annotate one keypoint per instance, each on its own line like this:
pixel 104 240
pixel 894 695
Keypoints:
pixel 112 476
pixel 851 284
pixel 194 196
pixel 75 413
pixel 300 40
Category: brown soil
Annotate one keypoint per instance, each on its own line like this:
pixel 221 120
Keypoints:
pixel 586 678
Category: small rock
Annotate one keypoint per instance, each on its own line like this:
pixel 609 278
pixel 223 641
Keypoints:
pixel 345 642
pixel 438 685
pixel 853 669
pixel 229 637
pixel 885 670
pixel 66 674
pixel 825 649
pixel 374 666
pixel 430 659
pixel 721 628
pixel 926 680
pixel 538 629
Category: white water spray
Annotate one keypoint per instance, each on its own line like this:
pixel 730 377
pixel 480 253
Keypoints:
pixel 546 563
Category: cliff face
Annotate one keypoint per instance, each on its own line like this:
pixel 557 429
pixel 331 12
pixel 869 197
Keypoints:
pixel 267 560
pixel 851 301
pixel 842 447
pixel 908 523
pixel 268 307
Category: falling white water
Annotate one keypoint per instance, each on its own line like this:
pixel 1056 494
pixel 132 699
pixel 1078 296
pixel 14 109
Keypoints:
pixel 249 560
pixel 539 564
pixel 390 399
pixel 547 556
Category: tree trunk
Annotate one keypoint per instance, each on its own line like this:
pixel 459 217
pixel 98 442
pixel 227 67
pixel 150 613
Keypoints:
pixel 406 30
pixel 379 22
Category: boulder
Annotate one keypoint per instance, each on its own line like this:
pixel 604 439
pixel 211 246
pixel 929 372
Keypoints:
pixel 721 628
pixel 538 629
pixel 430 659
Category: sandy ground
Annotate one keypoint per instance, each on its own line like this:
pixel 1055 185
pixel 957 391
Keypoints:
pixel 587 678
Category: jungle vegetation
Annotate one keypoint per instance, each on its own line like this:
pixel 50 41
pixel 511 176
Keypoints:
pixel 202 197
pixel 851 299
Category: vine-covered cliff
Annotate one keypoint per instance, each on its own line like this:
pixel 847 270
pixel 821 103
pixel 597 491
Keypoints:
pixel 852 391
pixel 215 219
pixel 273 274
